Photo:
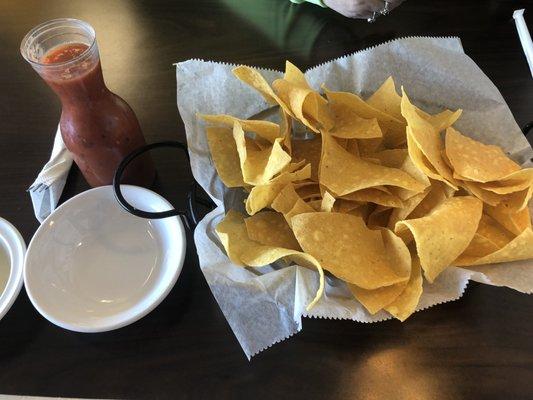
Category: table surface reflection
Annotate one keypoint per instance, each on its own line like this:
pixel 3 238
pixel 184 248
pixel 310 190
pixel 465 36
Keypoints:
pixel 478 347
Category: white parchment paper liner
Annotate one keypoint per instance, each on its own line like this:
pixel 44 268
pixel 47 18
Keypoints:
pixel 265 306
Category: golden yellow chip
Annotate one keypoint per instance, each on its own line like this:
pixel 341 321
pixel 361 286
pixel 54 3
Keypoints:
pixel 427 139
pixel 476 161
pixel 270 228
pixel 377 299
pixel 387 100
pixel 444 234
pixel 262 196
pixel 374 195
pixel 299 207
pixel 485 195
pixel 285 199
pixel 435 197
pixel 346 247
pixel 348 125
pixel 520 248
pixel 441 121
pixel 409 205
pixel 306 105
pixel 405 304
pixel 258 167
pixel 242 250
pixel 343 173
pixel 514 222
pixel 265 129
pixel 295 76
pixel 490 237
pixel 225 156
pixel 392 128
pixel 254 79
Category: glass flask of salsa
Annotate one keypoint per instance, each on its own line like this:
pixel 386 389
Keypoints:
pixel 98 127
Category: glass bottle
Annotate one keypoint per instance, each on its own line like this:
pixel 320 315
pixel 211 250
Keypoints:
pixel 98 127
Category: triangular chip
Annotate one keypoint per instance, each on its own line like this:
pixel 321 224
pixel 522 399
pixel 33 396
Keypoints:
pixel 393 128
pixel 520 248
pixel 225 156
pixel 427 138
pixel 444 234
pixel 387 100
pixel 265 129
pixel 347 248
pixel 405 304
pixel 477 161
pixel 258 167
pixel 270 229
pixel 241 250
pixel 343 173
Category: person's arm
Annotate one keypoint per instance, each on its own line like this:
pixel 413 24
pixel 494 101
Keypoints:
pixel 355 8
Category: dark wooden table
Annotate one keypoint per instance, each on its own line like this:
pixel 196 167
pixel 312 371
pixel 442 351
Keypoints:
pixel 478 347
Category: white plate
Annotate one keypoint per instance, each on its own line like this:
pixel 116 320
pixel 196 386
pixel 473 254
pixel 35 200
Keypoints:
pixel 93 267
pixel 12 246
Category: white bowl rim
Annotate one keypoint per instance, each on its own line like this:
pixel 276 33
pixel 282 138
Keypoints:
pixel 16 248
pixel 95 328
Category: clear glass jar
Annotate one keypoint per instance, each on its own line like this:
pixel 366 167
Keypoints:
pixel 98 127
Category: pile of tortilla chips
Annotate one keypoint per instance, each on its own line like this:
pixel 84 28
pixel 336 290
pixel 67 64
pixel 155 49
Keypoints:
pixel 377 192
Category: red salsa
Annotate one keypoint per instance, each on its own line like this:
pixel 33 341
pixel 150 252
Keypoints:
pixel 98 127
pixel 64 53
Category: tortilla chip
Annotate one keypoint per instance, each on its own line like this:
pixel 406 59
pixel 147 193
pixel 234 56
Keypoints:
pixel 377 299
pixel 520 248
pixel 348 125
pixel 265 129
pixel 242 250
pixel 295 76
pixel 374 195
pixel 343 173
pixel 409 205
pixel 490 237
pixel 515 222
pixel 444 234
pixel 484 195
pixel 254 79
pixel 225 156
pixel 392 128
pixel 258 167
pixel 405 304
pixel 329 237
pixel 477 161
pixel 426 138
pixel 270 229
pixel 306 105
pixel 387 100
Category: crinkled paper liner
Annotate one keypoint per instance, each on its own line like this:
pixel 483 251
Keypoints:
pixel 265 305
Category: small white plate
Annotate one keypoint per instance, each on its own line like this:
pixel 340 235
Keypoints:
pixel 12 250
pixel 93 267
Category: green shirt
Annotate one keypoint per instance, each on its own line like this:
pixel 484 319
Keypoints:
pixel 284 24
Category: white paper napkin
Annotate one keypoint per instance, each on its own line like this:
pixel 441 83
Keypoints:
pixel 53 176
